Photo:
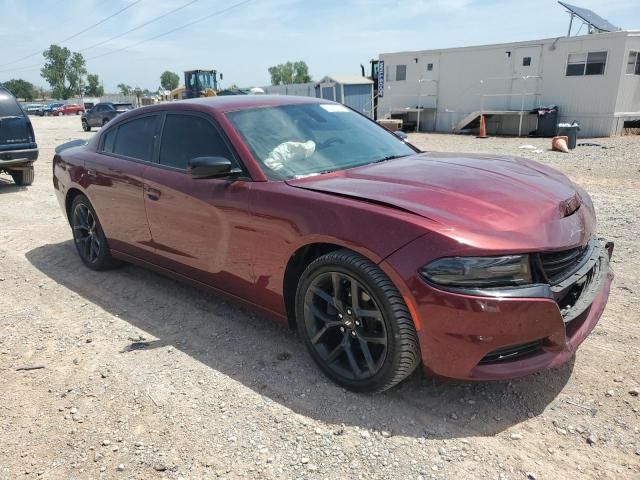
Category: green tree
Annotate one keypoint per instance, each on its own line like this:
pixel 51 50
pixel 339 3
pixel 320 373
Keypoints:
pixel 64 71
pixel 93 88
pixel 125 89
pixel 169 80
pixel 20 88
pixel 290 72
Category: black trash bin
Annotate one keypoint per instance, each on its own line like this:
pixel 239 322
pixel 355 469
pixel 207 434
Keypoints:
pixel 547 121
pixel 570 131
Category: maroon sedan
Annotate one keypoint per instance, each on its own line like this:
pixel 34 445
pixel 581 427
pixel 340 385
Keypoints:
pixel 383 257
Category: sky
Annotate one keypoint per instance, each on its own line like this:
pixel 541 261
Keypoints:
pixel 334 37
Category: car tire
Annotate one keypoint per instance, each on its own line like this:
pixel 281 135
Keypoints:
pixel 78 112
pixel 366 345
pixel 88 236
pixel 85 126
pixel 23 177
pixel 60 114
pixel 105 121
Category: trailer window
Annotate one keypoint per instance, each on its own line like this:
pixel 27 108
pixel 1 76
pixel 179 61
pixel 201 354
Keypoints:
pixel 633 64
pixel 592 63
pixel 401 73
pixel 526 62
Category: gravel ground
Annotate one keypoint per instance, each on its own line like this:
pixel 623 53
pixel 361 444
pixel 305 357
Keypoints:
pixel 217 391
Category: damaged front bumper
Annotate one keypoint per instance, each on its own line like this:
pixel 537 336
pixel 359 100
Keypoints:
pixel 515 332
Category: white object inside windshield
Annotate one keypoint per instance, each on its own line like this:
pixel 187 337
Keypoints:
pixel 288 152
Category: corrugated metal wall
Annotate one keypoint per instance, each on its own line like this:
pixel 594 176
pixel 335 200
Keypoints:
pixel 298 89
pixel 359 98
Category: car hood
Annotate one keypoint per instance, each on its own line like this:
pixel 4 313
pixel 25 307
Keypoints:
pixel 478 192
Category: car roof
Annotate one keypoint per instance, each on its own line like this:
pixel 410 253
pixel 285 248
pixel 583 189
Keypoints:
pixel 4 93
pixel 228 103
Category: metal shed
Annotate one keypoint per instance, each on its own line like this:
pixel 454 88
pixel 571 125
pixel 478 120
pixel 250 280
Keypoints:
pixel 351 90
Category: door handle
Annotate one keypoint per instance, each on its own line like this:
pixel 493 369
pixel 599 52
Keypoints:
pixel 152 193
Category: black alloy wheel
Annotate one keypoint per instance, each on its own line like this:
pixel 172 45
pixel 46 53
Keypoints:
pixel 88 235
pixel 355 323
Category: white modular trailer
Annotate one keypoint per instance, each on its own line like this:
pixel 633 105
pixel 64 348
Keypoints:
pixel 593 79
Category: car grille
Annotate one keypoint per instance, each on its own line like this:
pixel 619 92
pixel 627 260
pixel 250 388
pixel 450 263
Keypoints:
pixel 559 265
pixel 511 353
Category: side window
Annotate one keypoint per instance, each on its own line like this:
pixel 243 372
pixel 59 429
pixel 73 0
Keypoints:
pixel 592 63
pixel 401 73
pixel 136 138
pixel 185 137
pixel 526 62
pixel 109 140
pixel 633 64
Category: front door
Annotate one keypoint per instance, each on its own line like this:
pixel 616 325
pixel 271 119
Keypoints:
pixel 526 80
pixel 115 183
pixel 200 227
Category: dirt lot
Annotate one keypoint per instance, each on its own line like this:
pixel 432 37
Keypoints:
pixel 222 392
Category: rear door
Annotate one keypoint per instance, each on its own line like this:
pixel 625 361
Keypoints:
pixel 115 183
pixel 15 128
pixel 200 227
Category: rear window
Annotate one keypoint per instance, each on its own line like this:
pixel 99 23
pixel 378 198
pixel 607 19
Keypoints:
pixel 136 138
pixel 8 106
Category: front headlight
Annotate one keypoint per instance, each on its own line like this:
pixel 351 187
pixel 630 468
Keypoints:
pixel 479 272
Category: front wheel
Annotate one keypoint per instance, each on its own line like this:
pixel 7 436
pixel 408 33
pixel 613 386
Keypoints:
pixel 88 235
pixel 355 323
pixel 85 125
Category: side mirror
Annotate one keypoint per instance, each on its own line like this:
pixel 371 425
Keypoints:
pixel 211 167
pixel 400 134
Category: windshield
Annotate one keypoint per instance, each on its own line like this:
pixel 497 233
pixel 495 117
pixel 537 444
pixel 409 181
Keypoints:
pixel 8 106
pixel 294 141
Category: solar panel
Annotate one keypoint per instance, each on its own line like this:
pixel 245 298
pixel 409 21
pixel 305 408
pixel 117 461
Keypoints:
pixel 591 18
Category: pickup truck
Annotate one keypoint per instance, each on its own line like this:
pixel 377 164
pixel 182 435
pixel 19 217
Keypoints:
pixel 18 148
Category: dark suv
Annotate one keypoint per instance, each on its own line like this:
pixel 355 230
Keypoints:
pixel 101 113
pixel 18 149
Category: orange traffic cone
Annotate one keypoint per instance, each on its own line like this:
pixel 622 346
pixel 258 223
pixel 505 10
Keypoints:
pixel 483 128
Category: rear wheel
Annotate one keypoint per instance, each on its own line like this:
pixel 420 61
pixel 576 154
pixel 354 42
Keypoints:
pixel 60 114
pixel 355 323
pixel 85 125
pixel 88 235
pixel 23 177
pixel 78 112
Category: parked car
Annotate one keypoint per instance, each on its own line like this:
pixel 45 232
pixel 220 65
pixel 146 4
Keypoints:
pixel 33 108
pixel 67 109
pixel 478 267
pixel 46 109
pixel 101 113
pixel 18 148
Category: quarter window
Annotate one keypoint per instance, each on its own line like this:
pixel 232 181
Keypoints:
pixel 592 63
pixel 136 138
pixel 633 64
pixel 185 137
pixel 109 140
pixel 401 73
